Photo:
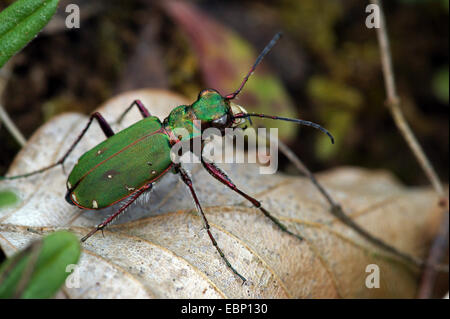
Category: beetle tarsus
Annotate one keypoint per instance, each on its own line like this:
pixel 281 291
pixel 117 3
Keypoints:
pixel 187 180
pixel 63 168
pixel 218 174
pixel 119 211
pixel 92 232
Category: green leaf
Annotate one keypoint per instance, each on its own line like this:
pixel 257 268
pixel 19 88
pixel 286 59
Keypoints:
pixel 339 106
pixel 40 269
pixel 7 198
pixel 21 22
pixel 440 84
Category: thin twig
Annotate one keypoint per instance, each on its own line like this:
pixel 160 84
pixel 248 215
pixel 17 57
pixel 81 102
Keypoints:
pixel 337 211
pixel 437 253
pixel 4 117
pixel 393 103
pixel 9 125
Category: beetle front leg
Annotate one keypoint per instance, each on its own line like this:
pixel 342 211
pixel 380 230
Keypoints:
pixel 106 128
pixel 218 174
pixel 187 180
pixel 116 214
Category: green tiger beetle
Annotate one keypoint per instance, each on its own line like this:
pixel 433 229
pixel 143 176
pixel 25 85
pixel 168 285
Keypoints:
pixel 127 163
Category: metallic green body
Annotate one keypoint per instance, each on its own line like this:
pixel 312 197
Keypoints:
pixel 209 106
pixel 120 165
pixel 138 155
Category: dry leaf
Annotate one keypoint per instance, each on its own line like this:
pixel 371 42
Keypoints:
pixel 159 249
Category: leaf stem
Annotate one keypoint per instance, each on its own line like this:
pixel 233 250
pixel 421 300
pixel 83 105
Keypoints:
pixel 436 255
pixel 337 210
pixel 4 117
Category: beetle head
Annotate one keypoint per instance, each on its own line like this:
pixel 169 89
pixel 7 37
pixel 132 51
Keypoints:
pixel 214 110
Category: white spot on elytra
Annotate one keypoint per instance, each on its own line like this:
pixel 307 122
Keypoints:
pixel 110 176
pixel 69 186
pixel 74 198
pixel 94 204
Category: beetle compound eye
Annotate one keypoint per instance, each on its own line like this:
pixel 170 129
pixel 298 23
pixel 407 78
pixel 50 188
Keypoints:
pixel 221 122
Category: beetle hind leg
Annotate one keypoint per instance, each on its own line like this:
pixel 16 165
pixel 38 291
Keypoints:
pixel 106 128
pixel 107 221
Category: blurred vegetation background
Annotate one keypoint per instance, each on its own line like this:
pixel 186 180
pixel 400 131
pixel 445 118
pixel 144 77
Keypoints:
pixel 325 69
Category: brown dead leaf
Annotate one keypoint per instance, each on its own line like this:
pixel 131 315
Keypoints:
pixel 158 249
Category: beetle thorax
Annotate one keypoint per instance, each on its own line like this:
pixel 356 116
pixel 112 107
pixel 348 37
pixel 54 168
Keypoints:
pixel 186 122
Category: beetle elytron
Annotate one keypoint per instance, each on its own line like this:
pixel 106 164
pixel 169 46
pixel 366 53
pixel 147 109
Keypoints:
pixel 104 175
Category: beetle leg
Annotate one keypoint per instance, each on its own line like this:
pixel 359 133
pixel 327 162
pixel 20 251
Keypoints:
pixel 106 128
pixel 218 174
pixel 145 113
pixel 187 180
pixel 120 211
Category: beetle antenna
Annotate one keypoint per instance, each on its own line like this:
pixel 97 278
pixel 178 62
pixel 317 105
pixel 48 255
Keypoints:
pixel 258 61
pixel 301 122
